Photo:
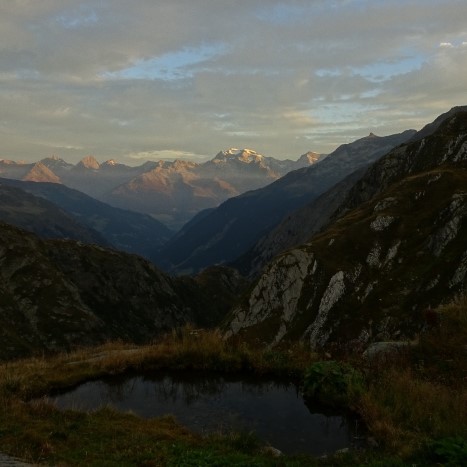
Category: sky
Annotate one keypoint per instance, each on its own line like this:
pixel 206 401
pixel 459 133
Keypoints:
pixel 159 79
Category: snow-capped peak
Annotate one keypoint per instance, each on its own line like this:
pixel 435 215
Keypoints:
pixel 238 152
pixel 243 155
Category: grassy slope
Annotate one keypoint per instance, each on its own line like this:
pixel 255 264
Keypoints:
pixel 400 288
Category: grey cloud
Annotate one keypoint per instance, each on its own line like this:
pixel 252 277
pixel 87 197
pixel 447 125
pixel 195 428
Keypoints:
pixel 266 87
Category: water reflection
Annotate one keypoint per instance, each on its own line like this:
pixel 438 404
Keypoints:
pixel 209 403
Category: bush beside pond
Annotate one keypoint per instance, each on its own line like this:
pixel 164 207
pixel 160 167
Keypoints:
pixel 333 383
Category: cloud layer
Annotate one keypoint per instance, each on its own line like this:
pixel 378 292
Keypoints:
pixel 188 78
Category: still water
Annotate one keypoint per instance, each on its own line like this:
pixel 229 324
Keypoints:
pixel 208 403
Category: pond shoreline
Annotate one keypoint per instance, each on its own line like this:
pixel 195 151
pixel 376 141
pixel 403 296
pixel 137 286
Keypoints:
pixel 218 402
pixel 411 405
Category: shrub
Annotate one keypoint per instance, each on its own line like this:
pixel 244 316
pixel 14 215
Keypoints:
pixel 333 383
pixel 449 451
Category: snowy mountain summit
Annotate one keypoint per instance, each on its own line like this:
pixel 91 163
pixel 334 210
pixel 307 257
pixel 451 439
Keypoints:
pixel 242 155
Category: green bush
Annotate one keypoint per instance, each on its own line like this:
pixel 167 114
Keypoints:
pixel 449 451
pixel 333 383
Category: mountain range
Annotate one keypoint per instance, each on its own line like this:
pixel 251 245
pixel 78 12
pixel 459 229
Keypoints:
pixel 170 191
pixel 298 226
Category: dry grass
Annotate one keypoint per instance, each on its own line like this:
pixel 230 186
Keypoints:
pixel 403 411
pixel 423 395
pixel 36 431
pixel 187 348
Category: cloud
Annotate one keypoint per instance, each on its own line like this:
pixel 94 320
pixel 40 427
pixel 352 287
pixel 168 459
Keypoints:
pixel 191 77
pixel 168 154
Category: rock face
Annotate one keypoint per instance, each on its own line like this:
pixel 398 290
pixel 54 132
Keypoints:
pixel 226 233
pixel 397 247
pixel 170 191
pixel 57 294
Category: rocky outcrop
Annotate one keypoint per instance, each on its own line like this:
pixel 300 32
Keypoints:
pixel 398 247
pixel 8 461
pixel 41 173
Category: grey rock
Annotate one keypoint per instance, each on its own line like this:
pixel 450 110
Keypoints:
pixel 378 350
pixel 7 461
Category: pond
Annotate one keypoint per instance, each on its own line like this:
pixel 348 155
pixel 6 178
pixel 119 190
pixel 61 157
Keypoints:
pixel 208 403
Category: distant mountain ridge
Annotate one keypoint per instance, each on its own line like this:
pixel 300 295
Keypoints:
pixel 171 191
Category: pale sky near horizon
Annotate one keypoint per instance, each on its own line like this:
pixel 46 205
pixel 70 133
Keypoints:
pixel 144 80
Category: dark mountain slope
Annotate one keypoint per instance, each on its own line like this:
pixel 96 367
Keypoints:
pixel 58 294
pixel 231 229
pixel 399 248
pixel 212 293
pixel 425 153
pixel 42 217
pixel 300 225
pixel 55 294
pixel 430 128
pixel 125 230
